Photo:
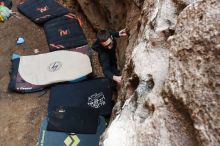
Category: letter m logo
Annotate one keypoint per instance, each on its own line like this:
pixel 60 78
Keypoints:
pixel 42 9
pixel 63 32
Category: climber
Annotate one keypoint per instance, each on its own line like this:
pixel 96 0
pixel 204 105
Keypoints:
pixel 105 45
pixel 6 3
pixel 5 12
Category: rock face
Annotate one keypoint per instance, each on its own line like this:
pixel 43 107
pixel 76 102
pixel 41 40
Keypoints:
pixel 104 14
pixel 194 76
pixel 171 71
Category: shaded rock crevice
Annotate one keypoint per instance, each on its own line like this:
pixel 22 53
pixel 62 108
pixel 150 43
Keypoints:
pixel 113 15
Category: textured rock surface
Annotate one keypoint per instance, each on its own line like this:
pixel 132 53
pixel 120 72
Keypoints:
pixel 170 92
pixel 194 77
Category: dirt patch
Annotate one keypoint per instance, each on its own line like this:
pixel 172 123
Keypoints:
pixel 21 114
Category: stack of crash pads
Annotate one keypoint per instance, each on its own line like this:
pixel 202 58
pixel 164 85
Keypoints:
pixel 75 113
pixel 63 29
pixel 53 138
pixel 35 72
pixel 63 32
pixel 76 109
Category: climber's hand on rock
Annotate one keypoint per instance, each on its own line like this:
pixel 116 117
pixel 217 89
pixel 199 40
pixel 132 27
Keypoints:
pixel 123 32
pixel 117 79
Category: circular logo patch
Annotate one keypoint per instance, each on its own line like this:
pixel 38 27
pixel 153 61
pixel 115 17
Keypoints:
pixel 55 66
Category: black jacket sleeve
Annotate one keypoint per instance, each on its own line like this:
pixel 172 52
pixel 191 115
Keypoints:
pixel 114 34
pixel 95 46
pixel 105 63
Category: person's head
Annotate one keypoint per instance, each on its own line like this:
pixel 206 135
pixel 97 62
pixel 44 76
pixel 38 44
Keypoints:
pixel 2 3
pixel 105 39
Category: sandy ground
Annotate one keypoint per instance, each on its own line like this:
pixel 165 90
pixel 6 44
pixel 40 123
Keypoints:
pixel 21 114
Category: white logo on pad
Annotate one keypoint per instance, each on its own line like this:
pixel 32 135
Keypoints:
pixel 55 66
pixel 96 100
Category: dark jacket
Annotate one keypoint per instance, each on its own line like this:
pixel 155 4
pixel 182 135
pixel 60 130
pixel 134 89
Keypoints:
pixel 107 57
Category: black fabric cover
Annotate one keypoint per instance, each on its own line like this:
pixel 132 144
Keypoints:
pixel 93 93
pixel 41 11
pixel 73 120
pixel 17 83
pixel 53 138
pixel 8 3
pixel 13 74
pixel 64 33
